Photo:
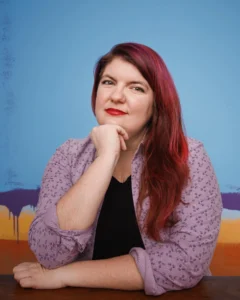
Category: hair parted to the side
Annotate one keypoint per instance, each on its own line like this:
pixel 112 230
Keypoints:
pixel 165 170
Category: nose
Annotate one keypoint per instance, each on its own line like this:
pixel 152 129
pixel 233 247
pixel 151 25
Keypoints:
pixel 118 95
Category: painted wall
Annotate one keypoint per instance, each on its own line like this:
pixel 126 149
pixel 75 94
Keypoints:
pixel 47 53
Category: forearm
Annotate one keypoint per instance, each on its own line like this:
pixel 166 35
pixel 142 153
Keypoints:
pixel 114 273
pixel 82 200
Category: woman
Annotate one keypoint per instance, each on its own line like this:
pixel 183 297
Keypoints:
pixel 136 205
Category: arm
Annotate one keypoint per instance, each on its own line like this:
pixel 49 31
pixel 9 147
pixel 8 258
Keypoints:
pixel 184 256
pixel 92 185
pixel 114 273
pixel 90 188
pixel 55 246
pixel 51 245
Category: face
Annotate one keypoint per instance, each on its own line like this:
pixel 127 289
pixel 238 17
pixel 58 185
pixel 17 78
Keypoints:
pixel 122 87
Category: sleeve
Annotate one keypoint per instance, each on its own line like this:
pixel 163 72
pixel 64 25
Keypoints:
pixel 184 256
pixel 52 246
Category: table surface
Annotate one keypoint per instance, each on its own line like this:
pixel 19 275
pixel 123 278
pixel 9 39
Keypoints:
pixel 218 288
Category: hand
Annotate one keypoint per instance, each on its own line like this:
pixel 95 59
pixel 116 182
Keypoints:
pixel 109 138
pixel 34 275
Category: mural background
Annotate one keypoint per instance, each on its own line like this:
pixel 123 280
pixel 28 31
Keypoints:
pixel 47 53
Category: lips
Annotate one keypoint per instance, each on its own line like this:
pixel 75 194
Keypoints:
pixel 115 112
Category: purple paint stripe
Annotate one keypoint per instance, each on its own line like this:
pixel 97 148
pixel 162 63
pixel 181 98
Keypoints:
pixel 231 201
pixel 16 199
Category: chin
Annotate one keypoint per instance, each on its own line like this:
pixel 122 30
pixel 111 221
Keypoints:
pixel 109 121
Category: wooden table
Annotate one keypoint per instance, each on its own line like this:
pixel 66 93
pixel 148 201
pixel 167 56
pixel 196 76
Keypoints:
pixel 217 288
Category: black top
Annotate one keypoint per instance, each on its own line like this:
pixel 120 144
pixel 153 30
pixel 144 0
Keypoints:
pixel 117 229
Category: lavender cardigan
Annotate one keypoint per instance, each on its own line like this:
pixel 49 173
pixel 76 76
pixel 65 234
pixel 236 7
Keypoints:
pixel 178 262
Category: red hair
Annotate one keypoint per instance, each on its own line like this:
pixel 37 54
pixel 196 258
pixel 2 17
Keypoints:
pixel 165 169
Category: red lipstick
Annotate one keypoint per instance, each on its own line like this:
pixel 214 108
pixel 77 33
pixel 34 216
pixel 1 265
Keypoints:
pixel 115 112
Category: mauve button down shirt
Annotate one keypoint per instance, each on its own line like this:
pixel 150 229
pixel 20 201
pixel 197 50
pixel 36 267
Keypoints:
pixel 183 256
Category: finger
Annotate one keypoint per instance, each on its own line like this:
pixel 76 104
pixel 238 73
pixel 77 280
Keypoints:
pixel 35 265
pixel 22 274
pixel 123 144
pixel 22 266
pixel 26 282
pixel 123 132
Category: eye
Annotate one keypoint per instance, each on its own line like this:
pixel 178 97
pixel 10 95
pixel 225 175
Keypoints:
pixel 107 82
pixel 139 89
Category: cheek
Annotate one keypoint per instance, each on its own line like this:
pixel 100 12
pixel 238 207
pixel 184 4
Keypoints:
pixel 150 111
pixel 100 98
pixel 144 110
pixel 99 106
pixel 144 114
pixel 149 108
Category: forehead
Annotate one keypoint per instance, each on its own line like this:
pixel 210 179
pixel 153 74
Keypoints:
pixel 122 69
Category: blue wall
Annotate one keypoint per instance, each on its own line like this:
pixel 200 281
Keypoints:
pixel 47 53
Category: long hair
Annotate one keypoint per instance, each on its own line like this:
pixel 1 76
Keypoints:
pixel 165 169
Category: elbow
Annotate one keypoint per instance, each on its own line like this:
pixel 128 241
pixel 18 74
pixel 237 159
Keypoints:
pixel 173 284
pixel 190 282
pixel 188 279
pixel 185 279
pixel 49 252
pixel 43 256
pixel 54 248
pixel 50 259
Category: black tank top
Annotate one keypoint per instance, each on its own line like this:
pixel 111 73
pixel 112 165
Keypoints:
pixel 117 229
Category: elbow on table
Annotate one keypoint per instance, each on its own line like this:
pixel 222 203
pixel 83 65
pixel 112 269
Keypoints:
pixel 50 257
pixel 172 282
pixel 189 280
pixel 51 261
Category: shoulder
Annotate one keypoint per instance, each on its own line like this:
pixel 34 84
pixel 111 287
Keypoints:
pixel 202 189
pixel 73 145
pixel 193 144
pixel 202 174
pixel 73 148
pixel 197 152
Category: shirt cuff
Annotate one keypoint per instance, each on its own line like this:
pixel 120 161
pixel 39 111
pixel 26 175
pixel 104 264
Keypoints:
pixel 145 269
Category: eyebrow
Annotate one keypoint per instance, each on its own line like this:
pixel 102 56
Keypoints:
pixel 131 82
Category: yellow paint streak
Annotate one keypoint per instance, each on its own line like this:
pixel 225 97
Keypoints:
pixel 229 231
pixel 6 225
